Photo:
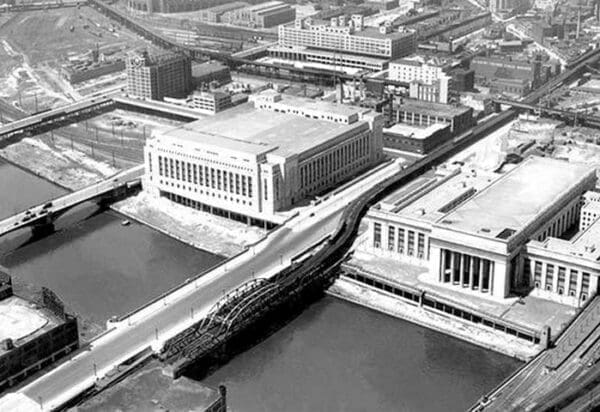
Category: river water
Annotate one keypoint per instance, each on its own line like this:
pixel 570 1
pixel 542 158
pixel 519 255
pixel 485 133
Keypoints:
pixel 97 266
pixel 335 356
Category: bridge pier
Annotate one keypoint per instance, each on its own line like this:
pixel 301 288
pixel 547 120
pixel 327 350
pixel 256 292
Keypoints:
pixel 43 229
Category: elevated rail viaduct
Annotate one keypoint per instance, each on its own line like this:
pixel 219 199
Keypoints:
pixel 575 118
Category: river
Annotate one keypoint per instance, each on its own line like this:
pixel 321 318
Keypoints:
pixel 335 356
pixel 97 266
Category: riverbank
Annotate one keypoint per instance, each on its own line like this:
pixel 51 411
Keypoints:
pixel 72 169
pixel 199 229
pixel 352 291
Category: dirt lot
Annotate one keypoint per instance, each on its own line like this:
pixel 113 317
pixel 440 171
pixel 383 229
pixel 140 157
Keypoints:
pixel 35 44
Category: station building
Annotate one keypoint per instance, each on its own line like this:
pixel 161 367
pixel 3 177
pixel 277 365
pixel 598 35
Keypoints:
pixel 33 335
pixel 259 158
pixel 486 234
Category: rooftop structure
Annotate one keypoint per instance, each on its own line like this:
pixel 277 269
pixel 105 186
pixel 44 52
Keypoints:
pixel 416 139
pixel 261 157
pixel 424 113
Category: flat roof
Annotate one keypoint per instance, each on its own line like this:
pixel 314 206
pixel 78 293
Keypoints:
pixel 20 320
pixel 415 131
pixel 207 67
pixel 225 7
pixel 246 129
pixel 334 54
pixel 432 108
pixel 374 33
pixel 515 199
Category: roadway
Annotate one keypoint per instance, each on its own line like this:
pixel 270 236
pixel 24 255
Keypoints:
pixel 40 214
pixel 170 315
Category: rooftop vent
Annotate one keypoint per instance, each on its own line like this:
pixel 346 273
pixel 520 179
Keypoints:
pixel 485 230
pixel 506 233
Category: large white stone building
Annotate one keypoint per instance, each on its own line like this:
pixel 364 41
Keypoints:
pixel 348 35
pixel 484 234
pixel 257 159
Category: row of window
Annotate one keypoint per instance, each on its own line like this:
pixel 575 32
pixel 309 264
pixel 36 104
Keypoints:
pixel 409 242
pixel 560 224
pixel 326 165
pixel 566 279
pixel 205 176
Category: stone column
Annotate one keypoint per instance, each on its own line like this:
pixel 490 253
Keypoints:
pixel 451 266
pixel 461 268
pixel 491 278
pixel 480 283
pixel 471 271
pixel 443 266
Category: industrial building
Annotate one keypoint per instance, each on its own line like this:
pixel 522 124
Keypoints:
pixel 33 335
pixel 154 77
pixel 262 15
pixel 214 14
pixel 210 71
pixel 348 35
pixel 416 139
pixel 491 235
pixel 210 102
pixel 262 157
pixel 174 6
pixel 416 112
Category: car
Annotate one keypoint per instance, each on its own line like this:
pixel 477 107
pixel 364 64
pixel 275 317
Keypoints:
pixel 26 218
pixel 47 205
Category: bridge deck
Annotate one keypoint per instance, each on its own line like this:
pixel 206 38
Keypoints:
pixel 40 213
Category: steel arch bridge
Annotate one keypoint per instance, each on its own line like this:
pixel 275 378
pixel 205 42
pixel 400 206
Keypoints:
pixel 227 316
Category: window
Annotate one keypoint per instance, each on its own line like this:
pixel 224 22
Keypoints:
pixel 537 273
pixel 561 277
pixel 585 282
pixel 421 246
pixel 549 276
pixel 400 240
pixel 391 237
pixel 411 243
pixel 573 282
pixel 376 235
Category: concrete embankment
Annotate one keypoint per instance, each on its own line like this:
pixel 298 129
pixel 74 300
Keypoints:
pixel 353 291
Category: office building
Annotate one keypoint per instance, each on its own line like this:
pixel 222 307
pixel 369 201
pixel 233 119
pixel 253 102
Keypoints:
pixel 484 234
pixel 262 157
pixel 154 77
pixel 262 15
pixel 336 60
pixel 33 335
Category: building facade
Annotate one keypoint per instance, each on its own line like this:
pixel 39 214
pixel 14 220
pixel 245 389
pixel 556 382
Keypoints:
pixel 259 158
pixel 154 77
pixel 490 235
pixel 348 35
pixel 415 112
pixel 210 102
pixel 262 15
pixel 414 139
pixel 32 335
